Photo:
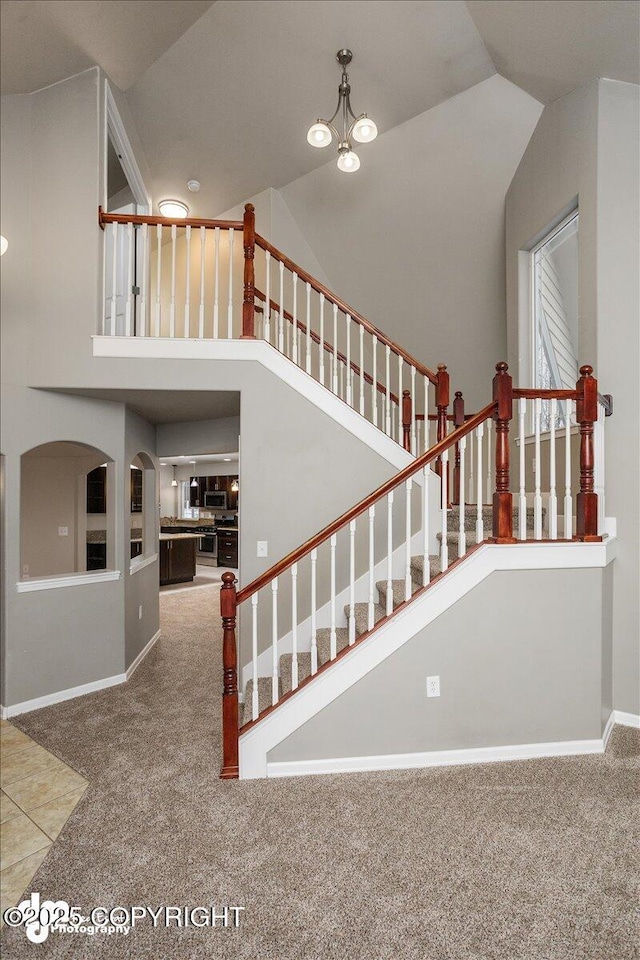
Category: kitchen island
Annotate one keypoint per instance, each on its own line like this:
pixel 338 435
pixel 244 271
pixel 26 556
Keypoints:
pixel 177 557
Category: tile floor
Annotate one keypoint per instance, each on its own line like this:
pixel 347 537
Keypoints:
pixel 37 795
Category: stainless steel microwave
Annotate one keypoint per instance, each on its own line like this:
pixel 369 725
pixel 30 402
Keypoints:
pixel 216 499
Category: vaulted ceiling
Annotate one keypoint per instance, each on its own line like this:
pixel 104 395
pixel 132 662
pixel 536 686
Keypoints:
pixel 224 91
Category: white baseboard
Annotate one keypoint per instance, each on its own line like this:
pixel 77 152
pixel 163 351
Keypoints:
pixel 626 719
pixel 435 758
pixel 72 692
pixel 50 698
pixel 138 660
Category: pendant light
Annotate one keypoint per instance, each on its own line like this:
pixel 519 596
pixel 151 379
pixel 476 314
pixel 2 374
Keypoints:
pixel 174 482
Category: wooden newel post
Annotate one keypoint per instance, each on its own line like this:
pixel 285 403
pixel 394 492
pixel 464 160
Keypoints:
pixel 502 498
pixel 406 420
pixel 442 404
pixel 248 298
pixel 230 768
pixel 586 415
pixel 458 421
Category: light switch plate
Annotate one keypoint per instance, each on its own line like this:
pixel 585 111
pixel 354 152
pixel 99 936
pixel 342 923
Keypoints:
pixel 262 549
pixel 63 531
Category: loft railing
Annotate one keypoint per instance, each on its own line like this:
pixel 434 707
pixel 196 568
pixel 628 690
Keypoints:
pixel 193 278
pixel 385 530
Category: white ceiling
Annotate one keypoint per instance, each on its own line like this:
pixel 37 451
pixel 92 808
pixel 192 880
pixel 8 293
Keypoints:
pixel 224 92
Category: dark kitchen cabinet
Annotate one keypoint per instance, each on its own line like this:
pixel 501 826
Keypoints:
pixel 136 490
pixel 227 548
pixel 206 484
pixel 177 560
pixel 97 490
pixel 96 556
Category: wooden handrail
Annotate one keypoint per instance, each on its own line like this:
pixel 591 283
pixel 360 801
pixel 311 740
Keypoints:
pixel 327 346
pixel 345 308
pixel 436 451
pixel 104 217
pixel 533 393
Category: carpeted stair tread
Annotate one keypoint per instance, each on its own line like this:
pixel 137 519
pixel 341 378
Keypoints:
pixel 286 663
pixel 398 590
pixel 361 611
pixel 264 699
pixel 323 641
pixel 417 566
pixel 471 515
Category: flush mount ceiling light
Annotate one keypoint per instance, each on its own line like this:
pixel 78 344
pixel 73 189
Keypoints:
pixel 4 245
pixel 173 208
pixel 360 128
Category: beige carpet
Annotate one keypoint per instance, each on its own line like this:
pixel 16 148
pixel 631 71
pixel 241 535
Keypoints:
pixel 515 860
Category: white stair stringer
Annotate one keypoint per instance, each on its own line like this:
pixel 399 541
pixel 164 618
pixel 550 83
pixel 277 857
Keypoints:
pixel 259 351
pixel 328 684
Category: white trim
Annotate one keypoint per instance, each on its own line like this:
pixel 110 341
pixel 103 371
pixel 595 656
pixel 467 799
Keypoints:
pixel 292 713
pixel 115 128
pixel 435 758
pixel 138 660
pixel 259 351
pixel 138 563
pixel 626 719
pixel 28 705
pixel 608 727
pixel 66 580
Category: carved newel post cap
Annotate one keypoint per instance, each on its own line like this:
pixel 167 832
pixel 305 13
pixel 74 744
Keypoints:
pixel 249 207
pixel 228 579
pixel 502 367
pixel 441 366
pixel 406 393
pixel 458 393
pixel 586 370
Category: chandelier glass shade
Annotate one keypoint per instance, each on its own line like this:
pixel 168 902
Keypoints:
pixel 349 126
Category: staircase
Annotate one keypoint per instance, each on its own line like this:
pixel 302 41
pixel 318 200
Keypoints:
pixel 464 481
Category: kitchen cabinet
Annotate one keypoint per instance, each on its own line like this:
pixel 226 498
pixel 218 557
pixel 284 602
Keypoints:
pixel 227 548
pixel 97 490
pixel 206 484
pixel 136 490
pixel 96 556
pixel 177 560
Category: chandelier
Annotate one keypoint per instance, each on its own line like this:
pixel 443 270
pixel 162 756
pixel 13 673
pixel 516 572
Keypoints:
pixel 360 128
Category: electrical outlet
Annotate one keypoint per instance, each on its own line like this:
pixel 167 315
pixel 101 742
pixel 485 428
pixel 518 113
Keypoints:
pixel 63 531
pixel 433 686
pixel 140 612
pixel 262 548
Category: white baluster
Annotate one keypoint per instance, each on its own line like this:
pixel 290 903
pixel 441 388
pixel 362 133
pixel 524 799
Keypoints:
pixel 230 303
pixel 172 305
pixel 444 547
pixel 568 498
pixel 462 533
pixel 307 364
pixel 374 385
pixel 341 386
pixel 419 446
pixel 387 414
pixel 407 542
pixel 370 605
pixel 322 351
pixel 361 334
pixel 389 605
pixel 335 348
pixel 275 693
pixel 489 425
pixel 203 247
pixel 599 463
pixel 129 301
pixel 314 620
pixel 216 285
pixel 281 310
pixel 187 297
pixel 294 626
pixel 333 642
pixel 426 566
pixel 537 499
pixel 522 497
pixel 400 385
pixel 158 324
pixel 114 277
pixel 553 499
pixel 255 707
pixel 479 503
pixel 352 582
pixel 414 401
pixel 471 482
pixel 266 332
pixel 347 372
pixel 294 322
pixel 144 280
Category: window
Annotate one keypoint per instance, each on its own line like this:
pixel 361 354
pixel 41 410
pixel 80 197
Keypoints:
pixel 555 311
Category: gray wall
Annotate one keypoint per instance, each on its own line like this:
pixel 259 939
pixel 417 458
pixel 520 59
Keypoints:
pixel 522 674
pixel 415 240
pixel 141 587
pixel 586 146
